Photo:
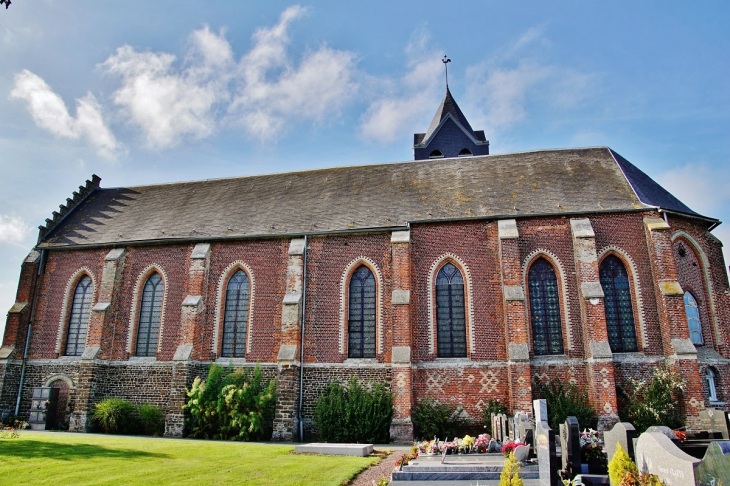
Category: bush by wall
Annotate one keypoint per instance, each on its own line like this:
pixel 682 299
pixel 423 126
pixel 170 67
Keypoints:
pixel 151 419
pixel 231 406
pixel 354 413
pixel 654 401
pixel 432 418
pixel 115 416
pixel 564 401
pixel 493 406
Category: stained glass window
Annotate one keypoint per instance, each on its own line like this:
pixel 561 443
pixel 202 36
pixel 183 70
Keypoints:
pixel 450 313
pixel 693 318
pixel 547 327
pixel 361 314
pixel 79 318
pixel 235 317
pixel 150 313
pixel 617 302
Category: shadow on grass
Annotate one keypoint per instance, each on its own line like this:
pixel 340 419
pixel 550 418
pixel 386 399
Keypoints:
pixel 67 452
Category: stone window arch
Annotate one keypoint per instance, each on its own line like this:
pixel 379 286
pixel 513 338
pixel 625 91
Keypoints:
pixel 450 308
pixel 711 382
pixel 618 305
pixel 78 321
pixel 346 288
pixel 67 310
pixel 243 322
pixel 694 323
pixel 147 320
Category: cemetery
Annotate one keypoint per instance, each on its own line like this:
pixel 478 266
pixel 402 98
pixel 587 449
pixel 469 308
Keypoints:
pixel 574 455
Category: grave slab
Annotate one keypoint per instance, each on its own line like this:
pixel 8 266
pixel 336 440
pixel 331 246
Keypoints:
pixel 361 450
pixel 622 433
pixel 657 454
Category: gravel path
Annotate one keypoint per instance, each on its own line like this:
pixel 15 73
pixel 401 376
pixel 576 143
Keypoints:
pixel 375 472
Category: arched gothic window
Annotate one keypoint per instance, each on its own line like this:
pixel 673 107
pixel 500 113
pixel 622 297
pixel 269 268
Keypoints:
pixel 235 317
pixel 710 376
pixel 361 314
pixel 617 302
pixel 547 326
pixel 693 319
pixel 78 319
pixel 450 313
pixel 150 314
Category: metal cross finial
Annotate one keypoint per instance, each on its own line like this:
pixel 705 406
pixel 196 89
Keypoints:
pixel 446 62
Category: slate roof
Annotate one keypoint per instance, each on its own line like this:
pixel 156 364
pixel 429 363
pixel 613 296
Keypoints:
pixel 448 106
pixel 565 181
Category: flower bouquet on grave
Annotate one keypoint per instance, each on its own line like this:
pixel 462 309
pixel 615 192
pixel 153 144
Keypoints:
pixel 681 436
pixel 467 444
pixel 591 446
pixel 449 447
pixel 482 443
pixel 509 447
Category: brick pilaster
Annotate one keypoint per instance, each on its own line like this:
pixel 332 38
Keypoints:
pixel 401 429
pixel 599 358
pixel 100 322
pixel 193 305
pixel 515 323
pixel 16 325
pixel 286 422
pixel 678 348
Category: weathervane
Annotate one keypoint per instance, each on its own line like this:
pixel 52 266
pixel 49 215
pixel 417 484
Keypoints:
pixel 446 62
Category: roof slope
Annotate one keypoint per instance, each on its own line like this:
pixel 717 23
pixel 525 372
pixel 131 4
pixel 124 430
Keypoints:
pixel 448 106
pixel 357 198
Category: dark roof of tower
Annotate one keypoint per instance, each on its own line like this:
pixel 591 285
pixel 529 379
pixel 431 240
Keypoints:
pixel 448 106
pixel 566 181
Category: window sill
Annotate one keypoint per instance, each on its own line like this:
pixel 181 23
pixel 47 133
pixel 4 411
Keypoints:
pixel 717 403
pixel 142 359
pixel 233 361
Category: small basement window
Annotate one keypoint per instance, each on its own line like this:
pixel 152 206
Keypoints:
pixel 436 154
pixel 465 152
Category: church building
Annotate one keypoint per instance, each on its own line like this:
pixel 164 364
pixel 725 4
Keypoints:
pixel 459 276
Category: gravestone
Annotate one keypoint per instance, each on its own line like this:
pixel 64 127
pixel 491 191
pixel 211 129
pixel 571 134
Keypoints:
pixel 657 454
pixel 495 428
pixel 664 430
pixel 622 433
pixel 714 420
pixel 523 425
pixel 546 454
pixel 570 446
pixel 715 466
pixel 540 407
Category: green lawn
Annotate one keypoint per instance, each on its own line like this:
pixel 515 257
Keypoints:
pixel 83 459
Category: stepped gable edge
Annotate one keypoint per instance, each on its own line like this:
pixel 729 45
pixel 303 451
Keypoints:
pixel 71 203
pixel 359 198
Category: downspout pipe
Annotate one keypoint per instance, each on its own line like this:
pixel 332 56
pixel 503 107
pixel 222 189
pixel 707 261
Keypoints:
pixel 27 334
pixel 300 416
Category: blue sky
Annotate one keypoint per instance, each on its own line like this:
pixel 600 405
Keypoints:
pixel 148 92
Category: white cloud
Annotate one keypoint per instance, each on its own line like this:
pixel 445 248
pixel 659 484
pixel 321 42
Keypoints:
pixel 271 88
pixel 171 103
pixel 501 89
pixel 13 229
pixel 408 100
pixel 50 112
pixel 704 189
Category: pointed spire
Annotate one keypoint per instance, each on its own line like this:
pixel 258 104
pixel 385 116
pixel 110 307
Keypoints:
pixel 448 106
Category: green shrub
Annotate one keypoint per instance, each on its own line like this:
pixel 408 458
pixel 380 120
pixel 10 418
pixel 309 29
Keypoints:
pixel 493 406
pixel 655 401
pixel 511 472
pixel 432 418
pixel 151 419
pixel 354 413
pixel 115 416
pixel 233 406
pixel 565 401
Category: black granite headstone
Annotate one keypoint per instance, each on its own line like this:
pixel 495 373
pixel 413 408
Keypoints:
pixel 715 420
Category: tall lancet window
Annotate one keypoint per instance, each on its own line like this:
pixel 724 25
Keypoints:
pixel 617 302
pixel 547 326
pixel 361 314
pixel 78 320
pixel 235 319
pixel 693 318
pixel 150 315
pixel 450 313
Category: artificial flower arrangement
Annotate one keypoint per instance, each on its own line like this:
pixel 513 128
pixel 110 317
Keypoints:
pixel 591 445
pixel 509 447
pixel 405 459
pixel 681 436
pixel 482 442
pixel 427 447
